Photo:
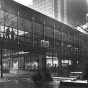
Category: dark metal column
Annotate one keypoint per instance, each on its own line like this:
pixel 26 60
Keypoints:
pixel 44 56
pixel 42 63
pixel 33 20
pixel 42 59
pixel 1 63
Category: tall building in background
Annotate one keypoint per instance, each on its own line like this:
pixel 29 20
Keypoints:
pixel 62 6
pixel 45 6
pixel 54 8
pixel 71 12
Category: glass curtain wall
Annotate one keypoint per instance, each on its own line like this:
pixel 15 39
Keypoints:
pixel 26 38
pixel 16 36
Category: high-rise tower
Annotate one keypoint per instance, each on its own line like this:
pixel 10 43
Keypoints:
pixel 47 7
pixel 54 8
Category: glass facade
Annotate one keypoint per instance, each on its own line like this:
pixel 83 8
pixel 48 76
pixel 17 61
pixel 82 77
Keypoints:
pixel 28 38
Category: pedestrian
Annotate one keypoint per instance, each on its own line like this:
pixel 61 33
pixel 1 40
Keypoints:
pixel 8 33
pixel 12 34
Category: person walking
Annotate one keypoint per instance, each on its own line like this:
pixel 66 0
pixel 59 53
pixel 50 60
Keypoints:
pixel 8 33
pixel 12 34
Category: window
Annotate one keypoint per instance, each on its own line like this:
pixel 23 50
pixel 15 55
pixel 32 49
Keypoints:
pixel 66 62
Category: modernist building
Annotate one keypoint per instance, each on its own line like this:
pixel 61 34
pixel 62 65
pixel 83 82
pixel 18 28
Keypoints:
pixel 39 40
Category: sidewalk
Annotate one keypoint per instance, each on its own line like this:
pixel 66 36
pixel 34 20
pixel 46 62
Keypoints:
pixel 8 76
pixel 20 79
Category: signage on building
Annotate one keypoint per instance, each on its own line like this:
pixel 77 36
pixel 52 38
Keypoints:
pixel 44 43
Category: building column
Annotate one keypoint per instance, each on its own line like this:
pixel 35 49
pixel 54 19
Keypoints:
pixel 1 62
pixel 42 63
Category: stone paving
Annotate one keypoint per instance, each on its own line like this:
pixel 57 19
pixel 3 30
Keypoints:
pixel 23 80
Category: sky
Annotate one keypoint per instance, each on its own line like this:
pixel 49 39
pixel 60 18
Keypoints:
pixel 25 2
